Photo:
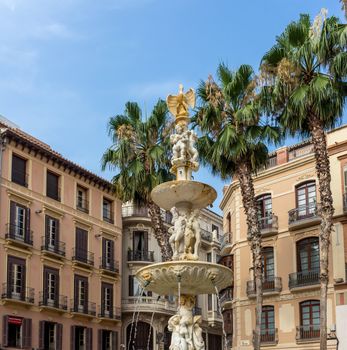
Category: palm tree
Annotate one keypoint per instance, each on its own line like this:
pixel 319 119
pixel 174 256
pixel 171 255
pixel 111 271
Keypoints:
pixel 344 6
pixel 232 145
pixel 140 154
pixel 304 76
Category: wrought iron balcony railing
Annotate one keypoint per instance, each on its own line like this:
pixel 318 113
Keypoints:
pixel 56 247
pixel 269 336
pixel 226 295
pixel 86 308
pixel 112 314
pixel 18 292
pixel 138 211
pixel 226 239
pixel 83 256
pixel 57 302
pixel 304 278
pixel 206 235
pixel 309 332
pixel 21 234
pixel 303 212
pixel 82 205
pixel 270 285
pixel 109 265
pixel 269 223
pixel 140 255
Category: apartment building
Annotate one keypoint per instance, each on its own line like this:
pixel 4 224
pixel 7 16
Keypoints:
pixel 288 198
pixel 60 250
pixel 151 311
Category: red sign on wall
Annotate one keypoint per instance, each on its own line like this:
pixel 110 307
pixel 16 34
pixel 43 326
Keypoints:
pixel 15 320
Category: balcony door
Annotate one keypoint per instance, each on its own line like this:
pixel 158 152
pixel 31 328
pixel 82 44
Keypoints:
pixel 308 255
pixel 51 286
pixel 16 276
pixel 140 243
pixel 310 319
pixel 268 265
pixel 306 199
pixel 52 233
pixel 19 222
pixel 81 294
pixel 267 331
pixel 81 245
pixel 265 210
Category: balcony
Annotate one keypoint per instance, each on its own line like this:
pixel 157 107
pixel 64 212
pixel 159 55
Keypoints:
pixel 270 286
pixel 206 235
pixel 58 303
pixel 113 314
pixel 269 336
pixel 344 198
pixel 85 309
pixel 141 255
pixel 304 279
pixel 226 296
pixel 18 234
pixel 226 240
pixel 82 205
pixel 304 216
pixel 129 211
pixel 268 225
pixel 110 266
pixel 57 248
pixel 149 304
pixel 82 257
pixel 309 333
pixel 17 293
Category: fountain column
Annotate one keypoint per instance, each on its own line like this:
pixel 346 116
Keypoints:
pixel 184 276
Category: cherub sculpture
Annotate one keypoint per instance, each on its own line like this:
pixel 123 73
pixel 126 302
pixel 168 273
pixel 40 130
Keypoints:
pixel 177 231
pixel 198 340
pixel 177 341
pixel 192 237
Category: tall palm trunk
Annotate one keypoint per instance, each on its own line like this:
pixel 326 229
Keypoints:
pixel 254 237
pixel 326 212
pixel 160 232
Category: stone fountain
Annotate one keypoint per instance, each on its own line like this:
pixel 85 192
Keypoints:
pixel 185 276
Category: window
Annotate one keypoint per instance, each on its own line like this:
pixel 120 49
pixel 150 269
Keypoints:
pixel 19 175
pixel 308 254
pixel 268 264
pixel 81 338
pixel 140 242
pixel 265 210
pixel 19 226
pixel 267 332
pixel 81 244
pixel 228 223
pixel 306 199
pixel 82 199
pixel 106 299
pixel 107 254
pixel 209 257
pixel 107 210
pixel 52 186
pixel 309 319
pixel 209 302
pixel 345 179
pixel 50 335
pixel 215 228
pixel 16 332
pixel 50 286
pixel 52 233
pixel 81 294
pixel 107 340
pixel 16 276
pixel 135 288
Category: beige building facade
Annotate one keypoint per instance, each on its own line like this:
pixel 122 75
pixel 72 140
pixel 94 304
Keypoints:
pixel 60 251
pixel 288 199
pixel 151 312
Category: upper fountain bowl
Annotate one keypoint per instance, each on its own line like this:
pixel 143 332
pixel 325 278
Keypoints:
pixel 198 194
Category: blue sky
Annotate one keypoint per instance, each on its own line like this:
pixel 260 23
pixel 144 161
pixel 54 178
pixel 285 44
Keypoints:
pixel 66 66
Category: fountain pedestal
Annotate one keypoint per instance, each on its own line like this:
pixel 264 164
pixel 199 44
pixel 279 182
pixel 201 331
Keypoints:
pixel 185 276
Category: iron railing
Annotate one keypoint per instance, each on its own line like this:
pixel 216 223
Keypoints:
pixel 83 256
pixel 226 239
pixel 58 247
pixel 269 335
pixel 58 302
pixel 304 278
pixel 268 222
pixel 82 205
pixel 112 314
pixel 109 265
pixel 273 284
pixel 87 308
pixel 134 210
pixel 206 235
pixel 20 177
pixel 18 292
pixel 19 233
pixel 140 255
pixel 303 212
pixel 226 295
pixel 308 332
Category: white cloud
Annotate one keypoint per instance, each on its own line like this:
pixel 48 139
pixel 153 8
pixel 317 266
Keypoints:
pixel 53 30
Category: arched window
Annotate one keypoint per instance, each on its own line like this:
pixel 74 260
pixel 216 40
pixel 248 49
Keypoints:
pixel 267 333
pixel 307 252
pixel 143 332
pixel 309 319
pixel 264 203
pixel 306 199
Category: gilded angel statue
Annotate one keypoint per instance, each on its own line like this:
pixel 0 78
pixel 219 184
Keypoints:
pixel 179 105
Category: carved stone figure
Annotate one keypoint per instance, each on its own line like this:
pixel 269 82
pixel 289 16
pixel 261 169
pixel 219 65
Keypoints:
pixel 186 319
pixel 192 237
pixel 177 341
pixel 179 105
pixel 179 221
pixel 198 340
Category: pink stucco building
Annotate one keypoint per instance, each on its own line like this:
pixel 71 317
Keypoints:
pixel 60 250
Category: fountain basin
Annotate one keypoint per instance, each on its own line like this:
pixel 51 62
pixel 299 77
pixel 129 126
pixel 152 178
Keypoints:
pixel 197 277
pixel 168 194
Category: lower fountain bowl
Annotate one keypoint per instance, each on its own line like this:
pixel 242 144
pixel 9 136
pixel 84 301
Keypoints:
pixel 197 277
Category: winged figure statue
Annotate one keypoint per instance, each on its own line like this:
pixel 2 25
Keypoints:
pixel 178 105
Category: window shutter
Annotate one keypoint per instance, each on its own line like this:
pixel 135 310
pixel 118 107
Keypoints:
pixel 99 339
pixel 86 293
pixel 45 289
pixel 12 216
pixel 58 230
pixel 42 335
pixel 103 251
pixel 145 235
pixel 89 339
pixel 59 336
pixel 72 337
pixel 112 253
pixel 103 297
pixel 131 286
pixel 114 340
pixel 47 218
pixel 75 294
pixel 27 328
pixel 27 225
pixel 5 330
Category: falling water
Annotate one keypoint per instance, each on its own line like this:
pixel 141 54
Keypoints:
pixel 137 304
pixel 223 325
pixel 179 292
pixel 150 329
